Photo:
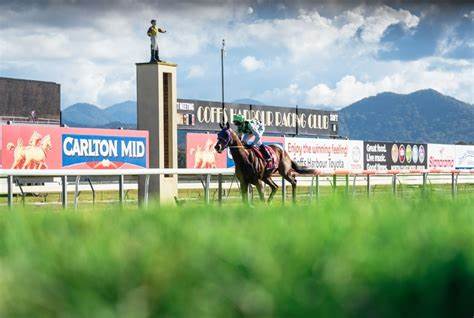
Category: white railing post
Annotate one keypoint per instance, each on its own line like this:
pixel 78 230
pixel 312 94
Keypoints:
pixel 64 191
pixel 347 185
pixel 368 185
pixel 10 191
pixel 394 184
pixel 453 184
pixel 207 185
pixel 121 189
pixel 219 188
pixel 283 190
pixel 147 185
pixel 76 192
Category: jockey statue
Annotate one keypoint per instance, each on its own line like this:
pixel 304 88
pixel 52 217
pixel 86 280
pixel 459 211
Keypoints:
pixel 249 128
pixel 152 32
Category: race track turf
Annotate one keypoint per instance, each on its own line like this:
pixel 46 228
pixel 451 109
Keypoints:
pixel 339 258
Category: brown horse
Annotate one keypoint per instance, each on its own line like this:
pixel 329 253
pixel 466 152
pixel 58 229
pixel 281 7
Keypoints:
pixel 251 169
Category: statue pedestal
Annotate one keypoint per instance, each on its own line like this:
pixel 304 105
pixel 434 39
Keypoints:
pixel 156 112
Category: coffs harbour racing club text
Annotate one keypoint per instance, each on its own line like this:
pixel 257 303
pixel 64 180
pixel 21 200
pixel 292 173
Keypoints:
pixel 213 115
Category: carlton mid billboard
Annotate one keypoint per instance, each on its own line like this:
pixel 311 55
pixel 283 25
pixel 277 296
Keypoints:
pixel 43 147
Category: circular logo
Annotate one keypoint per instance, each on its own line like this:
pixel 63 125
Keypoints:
pixel 394 153
pixel 421 154
pixel 401 154
pixel 356 154
pixel 408 153
pixel 415 154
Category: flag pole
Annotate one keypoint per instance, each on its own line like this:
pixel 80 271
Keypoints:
pixel 222 80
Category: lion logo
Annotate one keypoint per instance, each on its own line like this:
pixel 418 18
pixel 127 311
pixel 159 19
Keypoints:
pixel 32 156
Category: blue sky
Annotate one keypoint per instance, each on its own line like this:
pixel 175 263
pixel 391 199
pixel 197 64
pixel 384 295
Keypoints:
pixel 316 54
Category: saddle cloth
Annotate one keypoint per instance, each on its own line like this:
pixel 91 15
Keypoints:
pixel 271 164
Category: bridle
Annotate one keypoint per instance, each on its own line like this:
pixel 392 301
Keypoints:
pixel 225 141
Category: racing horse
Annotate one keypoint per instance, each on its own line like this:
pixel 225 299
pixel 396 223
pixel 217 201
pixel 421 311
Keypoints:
pixel 251 168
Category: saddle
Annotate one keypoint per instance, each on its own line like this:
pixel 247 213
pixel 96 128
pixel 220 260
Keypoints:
pixel 270 164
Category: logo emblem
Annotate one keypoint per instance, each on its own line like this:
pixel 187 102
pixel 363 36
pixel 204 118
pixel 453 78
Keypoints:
pixel 415 153
pixel 421 154
pixel 394 153
pixel 408 154
pixel 401 154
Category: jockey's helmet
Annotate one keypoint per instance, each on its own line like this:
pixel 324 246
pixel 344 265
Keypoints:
pixel 238 119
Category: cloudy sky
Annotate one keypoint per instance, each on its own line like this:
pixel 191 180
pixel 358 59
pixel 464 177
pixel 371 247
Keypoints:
pixel 323 54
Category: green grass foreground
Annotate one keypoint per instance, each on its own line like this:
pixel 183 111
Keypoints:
pixel 340 258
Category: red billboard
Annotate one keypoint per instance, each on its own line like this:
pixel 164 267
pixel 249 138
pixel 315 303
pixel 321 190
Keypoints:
pixel 47 147
pixel 200 152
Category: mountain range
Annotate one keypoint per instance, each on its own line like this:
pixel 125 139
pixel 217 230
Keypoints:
pixel 422 116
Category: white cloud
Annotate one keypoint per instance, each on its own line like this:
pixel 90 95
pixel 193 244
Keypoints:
pixel 310 35
pixel 250 64
pixel 469 15
pixel 290 95
pixel 196 71
pixel 435 73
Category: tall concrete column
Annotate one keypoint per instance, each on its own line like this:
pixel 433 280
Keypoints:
pixel 156 112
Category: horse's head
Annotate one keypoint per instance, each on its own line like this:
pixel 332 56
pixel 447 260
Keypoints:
pixel 224 137
pixel 46 143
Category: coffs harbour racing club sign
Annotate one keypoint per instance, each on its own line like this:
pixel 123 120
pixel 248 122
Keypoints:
pixel 205 115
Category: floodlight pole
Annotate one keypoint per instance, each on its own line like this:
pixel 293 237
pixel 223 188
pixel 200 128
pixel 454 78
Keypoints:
pixel 222 79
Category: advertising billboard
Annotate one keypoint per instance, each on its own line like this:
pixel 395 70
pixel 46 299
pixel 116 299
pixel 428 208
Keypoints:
pixel 464 157
pixel 206 115
pixel 200 152
pixel 394 156
pixel 325 153
pixel 441 156
pixel 46 147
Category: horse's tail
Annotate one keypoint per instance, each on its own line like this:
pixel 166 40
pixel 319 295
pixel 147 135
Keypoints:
pixel 301 170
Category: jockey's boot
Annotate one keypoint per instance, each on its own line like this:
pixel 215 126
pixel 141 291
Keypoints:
pixel 157 56
pixel 152 59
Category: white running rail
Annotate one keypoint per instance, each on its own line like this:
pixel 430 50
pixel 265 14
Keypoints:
pixel 10 174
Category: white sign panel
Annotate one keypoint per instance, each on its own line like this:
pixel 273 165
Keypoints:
pixel 441 156
pixel 355 159
pixel 326 153
pixel 464 157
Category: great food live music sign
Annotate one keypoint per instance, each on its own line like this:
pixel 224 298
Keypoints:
pixel 205 115
pixel 394 156
pixel 46 147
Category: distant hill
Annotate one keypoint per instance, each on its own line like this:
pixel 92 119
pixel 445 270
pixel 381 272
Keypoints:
pixel 125 113
pixel 424 116
pixel 84 115
pixel 247 101
pixel 88 115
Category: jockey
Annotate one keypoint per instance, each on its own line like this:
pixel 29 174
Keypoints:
pixel 249 128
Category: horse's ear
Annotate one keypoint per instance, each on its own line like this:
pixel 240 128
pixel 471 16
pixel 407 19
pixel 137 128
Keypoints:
pixel 220 125
pixel 227 125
